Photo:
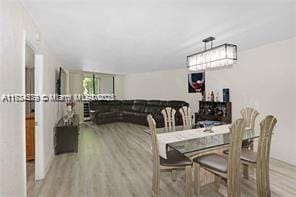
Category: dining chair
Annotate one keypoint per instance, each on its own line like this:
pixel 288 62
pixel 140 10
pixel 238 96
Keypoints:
pixel 169 118
pixel 169 125
pixel 249 115
pixel 260 159
pixel 221 166
pixel 186 117
pixel 175 160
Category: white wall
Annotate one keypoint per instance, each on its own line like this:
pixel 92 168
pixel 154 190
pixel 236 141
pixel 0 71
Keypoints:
pixel 13 21
pixel 165 85
pixel 263 78
pixel 294 88
pixel 119 87
pixel 75 87
pixel 106 83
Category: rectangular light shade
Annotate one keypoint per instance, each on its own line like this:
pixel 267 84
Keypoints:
pixel 220 56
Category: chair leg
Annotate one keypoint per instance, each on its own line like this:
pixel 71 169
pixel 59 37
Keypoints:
pixel 188 172
pixel 156 183
pixel 217 182
pixel 263 183
pixel 233 191
pixel 251 146
pixel 251 168
pixel 196 179
pixel 246 171
pixel 174 175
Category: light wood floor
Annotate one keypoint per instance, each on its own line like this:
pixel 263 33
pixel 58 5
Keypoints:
pixel 116 160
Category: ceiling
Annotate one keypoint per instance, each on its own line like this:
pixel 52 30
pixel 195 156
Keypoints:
pixel 145 35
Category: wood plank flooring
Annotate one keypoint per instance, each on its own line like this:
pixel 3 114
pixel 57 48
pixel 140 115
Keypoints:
pixel 115 160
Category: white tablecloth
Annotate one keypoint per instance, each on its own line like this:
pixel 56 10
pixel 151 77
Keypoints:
pixel 177 136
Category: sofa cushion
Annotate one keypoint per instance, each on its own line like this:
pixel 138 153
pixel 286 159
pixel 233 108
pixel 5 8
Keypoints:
pixel 127 105
pixel 129 113
pixel 154 102
pixel 100 106
pixel 107 114
pixel 139 105
pixel 164 104
pixel 152 109
pixel 176 104
pixel 116 105
pixel 134 111
pixel 153 106
pixel 134 114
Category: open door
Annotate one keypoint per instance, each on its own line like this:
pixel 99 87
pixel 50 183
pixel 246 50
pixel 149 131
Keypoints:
pixel 39 138
pixel 30 115
pixel 37 170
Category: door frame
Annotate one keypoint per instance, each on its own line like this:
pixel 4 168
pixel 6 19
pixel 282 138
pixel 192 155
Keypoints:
pixel 40 170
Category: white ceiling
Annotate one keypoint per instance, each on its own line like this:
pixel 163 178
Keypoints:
pixel 116 36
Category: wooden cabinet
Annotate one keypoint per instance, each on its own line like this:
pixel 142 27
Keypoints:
pixel 66 136
pixel 217 111
pixel 30 137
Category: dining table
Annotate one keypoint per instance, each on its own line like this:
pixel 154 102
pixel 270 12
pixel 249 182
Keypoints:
pixel 194 142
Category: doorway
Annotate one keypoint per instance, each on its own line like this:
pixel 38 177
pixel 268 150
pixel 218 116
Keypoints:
pixel 30 114
pixel 34 149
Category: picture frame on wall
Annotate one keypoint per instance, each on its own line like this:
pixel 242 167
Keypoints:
pixel 196 82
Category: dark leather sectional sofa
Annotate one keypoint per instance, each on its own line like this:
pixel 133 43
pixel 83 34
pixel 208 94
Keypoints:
pixel 133 111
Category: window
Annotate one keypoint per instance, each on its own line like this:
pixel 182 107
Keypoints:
pixel 97 85
pixel 91 85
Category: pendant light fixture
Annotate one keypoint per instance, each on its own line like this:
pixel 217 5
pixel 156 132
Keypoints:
pixel 215 57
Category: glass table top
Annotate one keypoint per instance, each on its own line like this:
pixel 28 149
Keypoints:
pixel 181 127
pixel 163 130
pixel 202 143
pixel 199 144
